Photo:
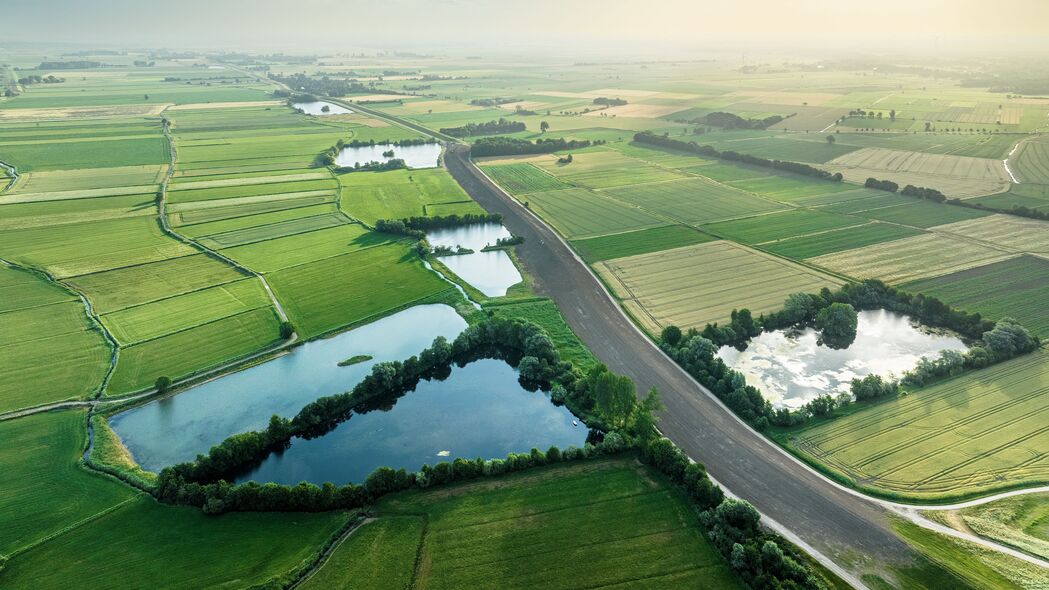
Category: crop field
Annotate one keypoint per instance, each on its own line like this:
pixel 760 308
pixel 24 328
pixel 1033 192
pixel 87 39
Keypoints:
pixel 1032 162
pixel 695 285
pixel 788 188
pixel 779 226
pixel 978 432
pixel 605 169
pixel 44 488
pixel 524 178
pixel 638 242
pixel 955 176
pixel 207 212
pixel 251 224
pixel 832 241
pixel 993 146
pixel 909 259
pixel 1016 233
pixel 370 196
pixel 329 294
pixel 867 200
pixel 278 253
pixel 476 530
pixel 924 214
pixel 47 339
pixel 1032 196
pixel 579 213
pixel 268 231
pixel 105 178
pixel 378 555
pixel 1021 522
pixel 132 142
pixel 193 349
pixel 1017 288
pixel 692 200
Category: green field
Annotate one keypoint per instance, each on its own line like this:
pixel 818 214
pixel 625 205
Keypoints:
pixel 779 226
pixel 545 313
pixel 579 213
pixel 378 555
pixel 1032 196
pixel 278 253
pixel 370 196
pixel 837 240
pixel 1022 522
pixel 693 200
pixel 559 527
pixel 606 169
pixel 525 178
pixel 1017 287
pixel 1032 162
pixel 973 434
pixel 638 242
pixel 924 214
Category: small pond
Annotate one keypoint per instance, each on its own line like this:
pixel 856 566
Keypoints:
pixel 491 273
pixel 790 368
pixel 479 410
pixel 414 156
pixel 316 108
pixel 177 428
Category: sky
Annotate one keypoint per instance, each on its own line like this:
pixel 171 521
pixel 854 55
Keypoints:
pixel 304 26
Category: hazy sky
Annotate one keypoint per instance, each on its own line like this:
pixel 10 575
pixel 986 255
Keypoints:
pixel 308 25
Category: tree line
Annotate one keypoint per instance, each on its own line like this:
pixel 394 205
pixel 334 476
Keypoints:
pixel 733 121
pixel 611 102
pixel 510 146
pixel 696 351
pixel 488 128
pixel 706 150
pixel 323 86
pixel 918 192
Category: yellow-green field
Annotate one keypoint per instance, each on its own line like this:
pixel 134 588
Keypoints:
pixel 983 431
pixel 695 285
pixel 954 176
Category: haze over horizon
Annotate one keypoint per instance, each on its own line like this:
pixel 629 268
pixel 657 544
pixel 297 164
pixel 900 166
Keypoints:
pixel 664 25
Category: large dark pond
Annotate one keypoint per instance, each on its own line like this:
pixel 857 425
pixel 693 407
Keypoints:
pixel 176 429
pixel 791 368
pixel 479 410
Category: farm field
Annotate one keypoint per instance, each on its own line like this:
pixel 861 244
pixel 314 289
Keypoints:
pixel 692 200
pixel 1017 287
pixel 475 529
pixel 924 214
pixel 544 312
pixel 695 285
pixel 1009 231
pixel 1021 522
pixel 606 169
pixel 580 213
pixel 954 176
pixel 780 226
pixel 970 435
pixel 1032 162
pixel 909 259
pixel 524 178
pixel 370 196
pixel 1032 196
pixel 638 242
pixel 378 555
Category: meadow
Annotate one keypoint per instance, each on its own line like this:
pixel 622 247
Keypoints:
pixel 780 226
pixel 970 435
pixel 1032 162
pixel 695 285
pixel 638 242
pixel 557 527
pixel 1015 233
pixel 954 176
pixel 544 312
pixel 693 200
pixel 828 242
pixel 1021 522
pixel 396 194
pixel 519 179
pixel 378 555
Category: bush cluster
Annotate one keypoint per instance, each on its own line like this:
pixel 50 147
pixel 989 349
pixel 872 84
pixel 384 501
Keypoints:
pixel 509 146
pixel 488 128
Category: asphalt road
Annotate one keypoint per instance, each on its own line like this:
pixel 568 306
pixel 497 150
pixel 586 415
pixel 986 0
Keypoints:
pixel 841 526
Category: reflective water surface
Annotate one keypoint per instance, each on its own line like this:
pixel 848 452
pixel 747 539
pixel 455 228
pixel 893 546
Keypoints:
pixel 491 273
pixel 414 156
pixel 176 429
pixel 316 108
pixel 480 410
pixel 790 368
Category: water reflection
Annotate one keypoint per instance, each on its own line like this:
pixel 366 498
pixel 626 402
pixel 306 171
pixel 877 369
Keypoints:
pixel 316 108
pixel 491 273
pixel 790 368
pixel 414 156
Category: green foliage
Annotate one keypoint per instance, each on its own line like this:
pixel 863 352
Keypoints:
pixel 837 325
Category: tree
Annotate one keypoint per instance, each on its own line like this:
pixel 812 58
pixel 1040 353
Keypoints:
pixel 162 384
pixel 644 421
pixel 837 324
pixel 671 335
pixel 543 126
pixel 614 396
pixel 146 96
pixel 798 308
pixel 831 140
pixel 286 330
pixel 892 115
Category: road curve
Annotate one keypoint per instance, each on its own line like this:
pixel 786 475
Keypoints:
pixel 839 525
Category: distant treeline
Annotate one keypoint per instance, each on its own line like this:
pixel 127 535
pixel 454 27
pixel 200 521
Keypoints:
pixel 492 102
pixel 26 81
pixel 732 121
pixel 931 194
pixel 81 64
pixel 414 227
pixel 612 102
pixel 509 146
pixel 489 128
pixel 323 86
pixel 706 150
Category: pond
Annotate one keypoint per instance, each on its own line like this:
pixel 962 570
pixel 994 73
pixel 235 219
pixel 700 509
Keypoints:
pixel 480 410
pixel 790 368
pixel 175 429
pixel 491 273
pixel 316 108
pixel 414 156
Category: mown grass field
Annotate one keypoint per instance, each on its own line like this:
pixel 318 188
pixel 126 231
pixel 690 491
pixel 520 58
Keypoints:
pixel 695 285
pixel 610 522
pixel 1017 287
pixel 973 434
pixel 523 178
pixel 1032 162
pixel 544 312
pixel 954 176
pixel 1032 196
pixel 370 196
pixel 1016 233
pixel 638 242
pixel 910 259
pixel 378 555
pixel 606 169
pixel 924 214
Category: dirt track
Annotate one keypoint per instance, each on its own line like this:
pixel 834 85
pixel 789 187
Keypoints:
pixel 821 515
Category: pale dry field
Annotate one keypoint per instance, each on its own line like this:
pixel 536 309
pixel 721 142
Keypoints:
pixel 954 176
pixel 695 285
pixel 640 111
pixel 786 98
pixel 1009 231
pixel 909 259
pixel 60 113
pixel 198 106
